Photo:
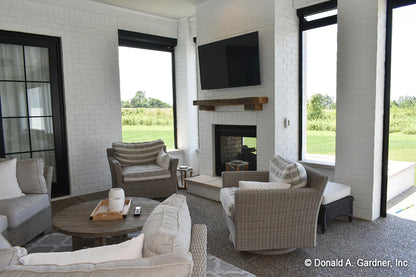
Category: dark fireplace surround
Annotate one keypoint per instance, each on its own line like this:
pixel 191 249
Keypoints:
pixel 229 146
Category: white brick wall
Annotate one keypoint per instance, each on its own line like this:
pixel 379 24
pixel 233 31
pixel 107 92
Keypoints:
pixel 286 80
pixel 276 22
pixel 90 77
pixel 186 92
pixel 360 90
pixel 216 20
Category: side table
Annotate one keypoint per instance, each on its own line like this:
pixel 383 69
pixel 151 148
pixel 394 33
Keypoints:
pixel 184 170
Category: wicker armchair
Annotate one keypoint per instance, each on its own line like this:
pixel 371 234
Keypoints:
pixel 274 221
pixel 142 176
pixel 30 215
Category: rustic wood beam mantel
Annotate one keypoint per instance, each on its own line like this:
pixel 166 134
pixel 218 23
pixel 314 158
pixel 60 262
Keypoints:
pixel 250 103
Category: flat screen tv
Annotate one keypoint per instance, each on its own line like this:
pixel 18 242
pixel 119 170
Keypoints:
pixel 232 62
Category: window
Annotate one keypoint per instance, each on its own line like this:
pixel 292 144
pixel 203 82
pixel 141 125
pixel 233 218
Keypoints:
pixel 317 71
pixel 147 88
pixel 31 99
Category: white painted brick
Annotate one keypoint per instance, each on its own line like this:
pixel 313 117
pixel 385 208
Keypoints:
pixel 91 81
pixel 360 90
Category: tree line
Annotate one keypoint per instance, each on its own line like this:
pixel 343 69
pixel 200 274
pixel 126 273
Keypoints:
pixel 321 114
pixel 141 101
pixel 318 103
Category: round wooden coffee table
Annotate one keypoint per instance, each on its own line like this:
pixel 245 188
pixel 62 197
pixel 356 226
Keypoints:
pixel 75 221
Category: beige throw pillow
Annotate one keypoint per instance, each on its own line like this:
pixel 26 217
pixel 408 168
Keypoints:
pixel 263 185
pixel 282 170
pixel 163 159
pixel 128 250
pixel 9 187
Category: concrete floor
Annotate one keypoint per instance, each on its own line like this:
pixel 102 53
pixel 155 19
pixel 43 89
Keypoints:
pixel 389 240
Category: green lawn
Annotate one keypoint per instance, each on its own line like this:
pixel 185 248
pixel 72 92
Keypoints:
pixel 148 133
pixel 321 142
pixel 402 147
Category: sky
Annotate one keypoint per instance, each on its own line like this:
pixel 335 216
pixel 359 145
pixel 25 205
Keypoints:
pixel 151 71
pixel 320 73
pixel 403 71
pixel 145 70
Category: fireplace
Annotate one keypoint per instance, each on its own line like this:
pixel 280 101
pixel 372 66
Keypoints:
pixel 237 144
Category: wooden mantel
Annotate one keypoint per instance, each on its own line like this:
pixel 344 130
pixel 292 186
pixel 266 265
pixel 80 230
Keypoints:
pixel 250 103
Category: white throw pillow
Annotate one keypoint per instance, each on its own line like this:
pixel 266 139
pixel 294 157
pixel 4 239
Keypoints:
pixel 168 227
pixel 9 187
pixel 163 159
pixel 128 250
pixel 263 185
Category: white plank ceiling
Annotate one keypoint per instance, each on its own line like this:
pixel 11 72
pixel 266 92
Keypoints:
pixel 167 8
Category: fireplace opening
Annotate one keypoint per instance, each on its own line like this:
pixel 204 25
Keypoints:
pixel 235 148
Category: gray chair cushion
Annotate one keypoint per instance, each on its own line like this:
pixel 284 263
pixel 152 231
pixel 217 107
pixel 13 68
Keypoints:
pixel 20 209
pixel 144 172
pixel 30 176
pixel 29 173
pixel 137 153
pixel 282 170
pixel 227 196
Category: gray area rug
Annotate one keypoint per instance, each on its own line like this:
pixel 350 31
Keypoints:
pixel 58 242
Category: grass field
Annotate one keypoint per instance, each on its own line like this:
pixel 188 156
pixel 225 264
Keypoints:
pixel 148 133
pixel 402 147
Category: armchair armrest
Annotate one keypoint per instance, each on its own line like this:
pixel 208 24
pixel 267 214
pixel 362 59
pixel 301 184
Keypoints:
pixel 173 166
pixel 276 218
pixel 316 179
pixel 199 250
pixel 115 169
pixel 231 178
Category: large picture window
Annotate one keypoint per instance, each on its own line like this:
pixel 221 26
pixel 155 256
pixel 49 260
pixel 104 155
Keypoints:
pixel 318 62
pixel 147 89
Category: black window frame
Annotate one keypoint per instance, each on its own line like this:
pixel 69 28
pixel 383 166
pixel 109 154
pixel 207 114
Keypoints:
pixel 391 4
pixel 159 43
pixel 305 25
pixel 61 187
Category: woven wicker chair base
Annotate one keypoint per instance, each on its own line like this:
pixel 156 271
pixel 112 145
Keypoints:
pixel 36 225
pixel 273 251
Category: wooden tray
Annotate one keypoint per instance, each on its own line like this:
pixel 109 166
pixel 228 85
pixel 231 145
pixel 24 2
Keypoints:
pixel 101 212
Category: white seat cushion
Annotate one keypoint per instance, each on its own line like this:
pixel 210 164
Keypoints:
pixel 262 185
pixel 20 209
pixel 335 191
pixel 227 197
pixel 144 172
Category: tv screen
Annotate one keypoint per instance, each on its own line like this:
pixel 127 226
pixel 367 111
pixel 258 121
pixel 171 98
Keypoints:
pixel 232 62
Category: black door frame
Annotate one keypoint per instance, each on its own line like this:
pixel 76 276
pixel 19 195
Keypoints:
pixel 61 187
pixel 391 4
pixel 305 25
